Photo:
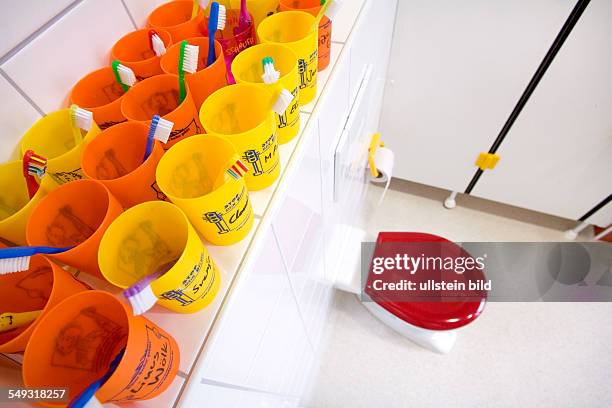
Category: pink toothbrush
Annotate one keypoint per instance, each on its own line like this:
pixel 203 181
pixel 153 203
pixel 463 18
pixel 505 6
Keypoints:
pixel 245 18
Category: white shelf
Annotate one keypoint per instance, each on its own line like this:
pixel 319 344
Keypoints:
pixel 191 331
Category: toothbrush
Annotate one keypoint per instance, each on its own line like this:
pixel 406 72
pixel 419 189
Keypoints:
pixel 196 7
pixel 330 8
pixel 80 119
pixel 188 62
pixel 140 295
pixel 10 320
pixel 17 259
pixel 216 21
pixel 245 18
pixel 282 103
pixel 123 75
pixel 160 129
pixel 33 165
pixel 270 75
pixel 156 43
pixel 87 398
pixel 237 170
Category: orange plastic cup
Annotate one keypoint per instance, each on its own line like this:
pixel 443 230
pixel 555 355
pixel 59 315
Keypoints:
pixel 115 160
pixel 325 26
pixel 159 95
pixel 206 80
pixel 41 287
pixel 74 214
pixel 73 345
pixel 175 17
pixel 134 51
pixel 100 93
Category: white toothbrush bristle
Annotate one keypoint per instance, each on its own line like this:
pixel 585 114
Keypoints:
pixel 126 75
pixel 190 62
pixel 163 130
pixel 333 9
pixel 222 17
pixel 93 403
pixel 12 265
pixel 282 103
pixel 143 300
pixel 83 119
pixel 270 75
pixel 158 45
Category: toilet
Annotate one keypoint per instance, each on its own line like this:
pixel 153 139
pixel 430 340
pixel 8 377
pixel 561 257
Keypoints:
pixel 432 325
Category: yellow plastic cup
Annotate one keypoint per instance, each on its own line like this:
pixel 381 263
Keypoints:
pixel 15 203
pixel 243 114
pixel 52 137
pixel 192 175
pixel 247 67
pixel 150 237
pixel 259 9
pixel 295 30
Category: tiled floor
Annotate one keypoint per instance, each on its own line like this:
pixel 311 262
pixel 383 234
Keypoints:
pixel 514 355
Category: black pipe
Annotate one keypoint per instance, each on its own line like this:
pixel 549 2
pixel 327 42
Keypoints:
pixel 596 208
pixel 567 28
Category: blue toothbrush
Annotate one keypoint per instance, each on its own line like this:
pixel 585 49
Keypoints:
pixel 17 259
pixel 216 21
pixel 87 397
pixel 160 129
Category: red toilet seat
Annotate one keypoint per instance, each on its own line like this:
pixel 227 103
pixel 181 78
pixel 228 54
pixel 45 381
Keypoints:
pixel 441 315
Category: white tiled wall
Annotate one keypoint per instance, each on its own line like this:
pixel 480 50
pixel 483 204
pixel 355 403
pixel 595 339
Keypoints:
pixel 46 46
pixel 21 18
pixel 47 68
pixel 140 9
pixel 17 114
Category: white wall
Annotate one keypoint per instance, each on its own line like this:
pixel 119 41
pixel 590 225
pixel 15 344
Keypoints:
pixel 48 45
pixel 457 70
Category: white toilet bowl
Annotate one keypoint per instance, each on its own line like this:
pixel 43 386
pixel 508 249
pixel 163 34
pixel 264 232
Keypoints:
pixel 431 325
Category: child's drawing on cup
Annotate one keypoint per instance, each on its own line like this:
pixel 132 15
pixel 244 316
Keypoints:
pixel 190 178
pixel 192 128
pixel 63 177
pixel 197 284
pixel 112 91
pixel 67 229
pixel 307 71
pixel 143 251
pixel 37 283
pixel 110 167
pixel 161 103
pixel 234 215
pixel 158 359
pixel 88 342
pixel 265 160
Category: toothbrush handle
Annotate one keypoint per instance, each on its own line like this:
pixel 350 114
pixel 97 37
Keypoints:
pixel 244 14
pixel 211 48
pixel 151 135
pixel 195 9
pixel 149 148
pixel 321 14
pixel 17 252
pixel 32 185
pixel 76 133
